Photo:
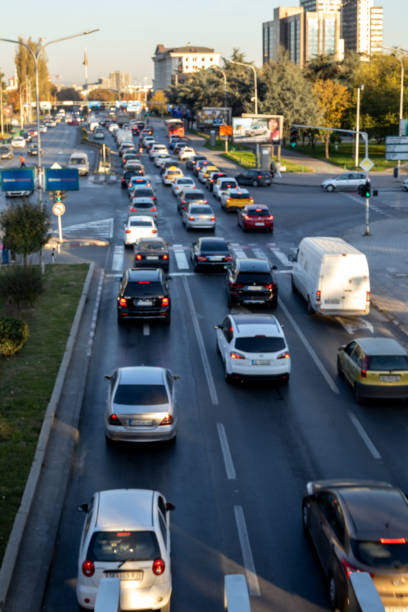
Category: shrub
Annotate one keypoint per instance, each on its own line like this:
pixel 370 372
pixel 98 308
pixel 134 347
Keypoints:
pixel 21 284
pixel 14 334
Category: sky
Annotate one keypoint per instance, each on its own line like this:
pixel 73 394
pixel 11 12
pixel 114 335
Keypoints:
pixel 130 31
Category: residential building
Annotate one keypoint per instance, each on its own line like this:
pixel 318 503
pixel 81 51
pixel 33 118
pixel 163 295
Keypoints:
pixel 119 81
pixel 362 27
pixel 173 64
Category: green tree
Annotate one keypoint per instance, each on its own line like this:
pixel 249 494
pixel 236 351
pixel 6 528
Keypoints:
pixel 333 99
pixel 26 228
pixel 25 68
pixel 158 102
pixel 68 93
pixel 104 95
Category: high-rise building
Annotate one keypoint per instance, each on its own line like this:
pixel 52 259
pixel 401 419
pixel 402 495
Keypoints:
pixel 362 27
pixel 326 6
pixel 275 32
pixel 172 65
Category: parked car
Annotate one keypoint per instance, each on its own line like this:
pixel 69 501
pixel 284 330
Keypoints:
pixel 375 368
pixel 254 177
pixel 255 217
pixel 126 535
pixel 198 216
pixel 348 181
pixel 253 347
pixel 151 252
pixel 210 253
pixel 252 281
pixel 144 294
pixel 138 226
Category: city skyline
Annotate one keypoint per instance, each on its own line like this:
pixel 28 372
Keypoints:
pixel 128 45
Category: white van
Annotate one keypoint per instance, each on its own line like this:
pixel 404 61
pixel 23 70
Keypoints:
pixel 79 160
pixel 332 276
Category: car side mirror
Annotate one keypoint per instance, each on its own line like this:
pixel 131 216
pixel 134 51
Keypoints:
pixel 108 376
pixel 83 508
pixel 170 507
pixel 176 377
pixel 274 267
pixel 217 326
pixel 291 257
pixel 342 348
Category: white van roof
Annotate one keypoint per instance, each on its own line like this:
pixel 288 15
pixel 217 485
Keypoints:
pixel 330 245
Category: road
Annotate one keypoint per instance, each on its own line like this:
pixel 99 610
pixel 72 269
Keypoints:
pixel 243 453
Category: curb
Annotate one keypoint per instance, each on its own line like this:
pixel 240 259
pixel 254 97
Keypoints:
pixel 76 242
pixel 17 532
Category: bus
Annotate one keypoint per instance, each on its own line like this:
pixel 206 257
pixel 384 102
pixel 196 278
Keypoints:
pixel 175 127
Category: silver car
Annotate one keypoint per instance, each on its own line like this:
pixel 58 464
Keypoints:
pixel 143 206
pixel 348 181
pixel 141 405
pixel 198 216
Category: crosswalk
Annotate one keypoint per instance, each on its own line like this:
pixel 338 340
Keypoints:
pixel 102 228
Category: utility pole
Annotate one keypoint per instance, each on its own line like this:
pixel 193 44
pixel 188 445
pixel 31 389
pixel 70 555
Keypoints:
pixel 356 160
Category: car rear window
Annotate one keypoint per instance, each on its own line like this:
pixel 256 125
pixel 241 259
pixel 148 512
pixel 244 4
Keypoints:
pixel 386 363
pixel 195 195
pixel 239 196
pixel 227 184
pixel 201 210
pixel 152 246
pixel 260 344
pixel 383 555
pixel 184 181
pixel 258 212
pixel 219 247
pixel 254 277
pixel 142 204
pixel 143 193
pixel 74 161
pixel 142 223
pixel 141 395
pixel 112 546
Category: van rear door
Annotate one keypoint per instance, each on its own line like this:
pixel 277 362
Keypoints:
pixel 344 284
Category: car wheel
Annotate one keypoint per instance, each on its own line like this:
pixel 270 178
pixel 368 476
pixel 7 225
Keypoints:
pixel 333 593
pixel 254 183
pixel 330 188
pixel 305 519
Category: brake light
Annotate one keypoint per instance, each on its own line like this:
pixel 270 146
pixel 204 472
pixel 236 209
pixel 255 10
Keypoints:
pixel 131 210
pixel 128 231
pixel 236 356
pixel 364 368
pixel 165 301
pixel 113 419
pixel 138 257
pixel 201 258
pixel 143 282
pixel 367 297
pixel 191 218
pixel 259 176
pixel 165 256
pixel 284 356
pixel 348 568
pixel 153 209
pixel 251 200
pixel 212 219
pixel 228 199
pixel 167 420
pixel 88 568
pixel 393 541
pixel 154 231
pixel 258 209
pixel 269 286
pixel 318 296
pixel 228 258
pixel 122 302
pixel 158 567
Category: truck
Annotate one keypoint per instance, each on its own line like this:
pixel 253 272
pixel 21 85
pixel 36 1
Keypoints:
pixel 332 276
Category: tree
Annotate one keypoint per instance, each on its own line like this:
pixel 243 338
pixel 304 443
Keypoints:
pixel 158 102
pixel 26 228
pixel 104 95
pixel 25 68
pixel 68 93
pixel 333 99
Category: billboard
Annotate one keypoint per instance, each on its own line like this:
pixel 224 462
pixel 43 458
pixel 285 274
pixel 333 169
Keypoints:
pixel 213 116
pixel 61 179
pixel 17 179
pixel 257 129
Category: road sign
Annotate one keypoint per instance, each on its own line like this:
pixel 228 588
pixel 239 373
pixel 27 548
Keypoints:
pixel 56 166
pixel 396 148
pixel 366 164
pixel 61 179
pixel 17 179
pixel 225 130
pixel 58 209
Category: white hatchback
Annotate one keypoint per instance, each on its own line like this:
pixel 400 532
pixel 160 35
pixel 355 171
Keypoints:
pixel 18 142
pixel 126 535
pixel 253 347
pixel 186 153
pixel 139 226
pixel 181 183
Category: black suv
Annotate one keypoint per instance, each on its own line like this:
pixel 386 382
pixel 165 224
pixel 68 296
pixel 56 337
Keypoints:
pixel 251 281
pixel 143 294
pixel 255 177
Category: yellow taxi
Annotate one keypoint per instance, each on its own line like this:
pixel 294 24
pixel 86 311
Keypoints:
pixel 172 173
pixel 234 199
pixel 205 173
pixel 375 368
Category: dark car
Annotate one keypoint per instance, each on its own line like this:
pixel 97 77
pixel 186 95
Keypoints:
pixel 188 196
pixel 143 294
pixel 129 154
pixel 127 175
pixel 251 281
pixel 151 252
pixel 168 163
pixel 191 162
pixel 32 148
pixel 255 217
pixel 200 164
pixel 255 177
pixel 210 253
pixel 141 191
pixel 210 180
pixel 359 526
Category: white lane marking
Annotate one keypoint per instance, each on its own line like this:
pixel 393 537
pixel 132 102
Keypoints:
pixel 373 450
pixel 352 327
pixel 180 256
pixel 146 329
pixel 201 345
pixel 259 253
pixel 240 253
pixel 182 273
pixel 280 255
pixel 95 315
pixel 362 202
pixel 367 325
pixel 347 326
pixel 247 558
pixel 117 258
pixel 310 350
pixel 104 227
pixel 226 453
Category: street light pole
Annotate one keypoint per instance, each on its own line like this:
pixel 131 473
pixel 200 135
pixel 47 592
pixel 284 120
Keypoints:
pixel 399 54
pixel 255 100
pixel 356 160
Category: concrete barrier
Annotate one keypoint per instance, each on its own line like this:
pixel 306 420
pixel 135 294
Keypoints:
pixel 108 596
pixel 236 596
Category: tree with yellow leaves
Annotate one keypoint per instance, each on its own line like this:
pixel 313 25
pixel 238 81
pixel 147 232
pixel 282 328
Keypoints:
pixel 334 99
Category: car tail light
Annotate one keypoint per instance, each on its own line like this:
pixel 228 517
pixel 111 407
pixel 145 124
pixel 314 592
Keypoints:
pixel 364 368
pixel 88 568
pixel 393 541
pixel 251 200
pixel 143 282
pixel 284 356
pixel 165 256
pixel 269 286
pixel 191 218
pixel 122 302
pixel 237 285
pixel 167 420
pixel 165 301
pixel 349 569
pixel 154 231
pixel 228 258
pixel 183 202
pixel 138 257
pixel 201 258
pixel 235 355
pixel 259 176
pixel 212 219
pixel 228 199
pixel 128 231
pixel 318 296
pixel 367 297
pixel 153 209
pixel 113 419
pixel 158 567
pixel 132 209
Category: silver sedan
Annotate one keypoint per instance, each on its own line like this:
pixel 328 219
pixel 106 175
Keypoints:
pixel 198 216
pixel 141 405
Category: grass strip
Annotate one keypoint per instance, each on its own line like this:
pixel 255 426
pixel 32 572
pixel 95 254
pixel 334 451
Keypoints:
pixel 344 156
pixel 246 159
pixel 27 380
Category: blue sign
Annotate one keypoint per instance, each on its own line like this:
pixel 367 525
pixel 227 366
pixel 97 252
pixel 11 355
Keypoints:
pixel 61 179
pixel 17 179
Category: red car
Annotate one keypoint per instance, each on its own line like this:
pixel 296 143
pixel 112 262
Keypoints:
pixel 255 217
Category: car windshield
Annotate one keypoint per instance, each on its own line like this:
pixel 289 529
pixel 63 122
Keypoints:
pixel 111 546
pixel 258 212
pixel 136 223
pixel 76 161
pixel 383 555
pixel 218 247
pixel 141 395
pixel 260 344
pixel 381 363
pixel 254 277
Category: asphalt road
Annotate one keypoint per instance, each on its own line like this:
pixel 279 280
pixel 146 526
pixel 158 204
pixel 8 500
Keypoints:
pixel 243 453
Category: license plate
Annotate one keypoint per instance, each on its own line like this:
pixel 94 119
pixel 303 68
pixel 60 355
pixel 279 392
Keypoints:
pixel 260 224
pixel 216 258
pixel 125 575
pixel 139 423
pixel 249 288
pixel 261 362
pixel 332 301
pixel 390 378
pixel 152 257
pixel 144 302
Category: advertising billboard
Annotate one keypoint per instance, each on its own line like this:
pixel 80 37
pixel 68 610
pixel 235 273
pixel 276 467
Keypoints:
pixel 257 129
pixel 61 179
pixel 17 179
pixel 213 116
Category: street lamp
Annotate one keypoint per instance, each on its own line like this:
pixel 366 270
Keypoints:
pixel 360 88
pixel 225 81
pixel 255 98
pixel 399 53
pixel 36 55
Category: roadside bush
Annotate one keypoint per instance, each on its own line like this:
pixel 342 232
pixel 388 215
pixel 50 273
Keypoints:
pixel 21 284
pixel 14 334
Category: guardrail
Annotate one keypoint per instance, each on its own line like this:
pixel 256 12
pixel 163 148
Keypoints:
pixel 363 594
pixel 236 596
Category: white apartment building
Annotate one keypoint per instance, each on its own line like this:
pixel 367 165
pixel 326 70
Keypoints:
pixel 170 64
pixel 362 27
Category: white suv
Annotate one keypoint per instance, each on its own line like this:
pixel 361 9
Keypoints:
pixel 253 346
pixel 223 184
pixel 126 535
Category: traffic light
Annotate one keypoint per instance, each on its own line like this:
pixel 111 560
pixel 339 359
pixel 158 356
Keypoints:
pixel 60 196
pixel 365 190
pixel 293 136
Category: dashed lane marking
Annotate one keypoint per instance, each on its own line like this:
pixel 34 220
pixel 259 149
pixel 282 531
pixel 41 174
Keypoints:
pixel 180 256
pixel 364 436
pixel 117 258
pixel 226 453
pixel 247 557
